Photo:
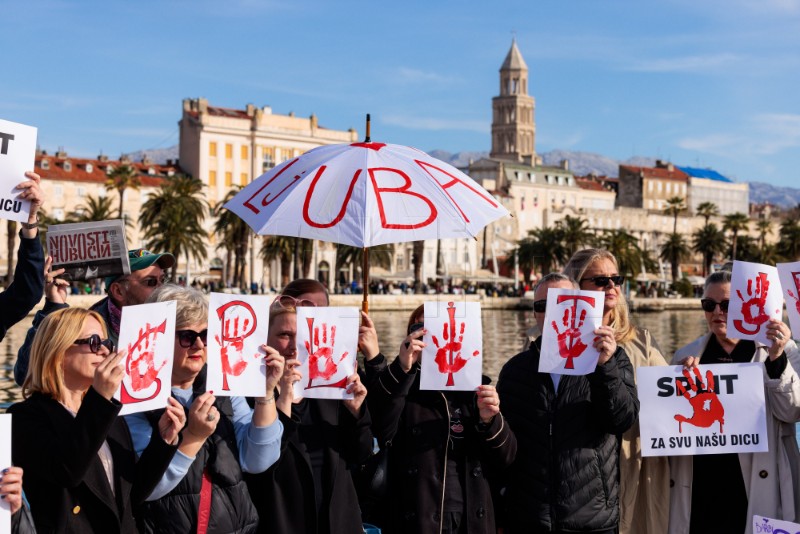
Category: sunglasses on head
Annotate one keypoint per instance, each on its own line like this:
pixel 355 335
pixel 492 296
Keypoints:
pixel 95 343
pixel 289 302
pixel 186 338
pixel 540 306
pixel 602 281
pixel 710 305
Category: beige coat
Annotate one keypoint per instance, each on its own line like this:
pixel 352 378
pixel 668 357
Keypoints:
pixel 644 482
pixel 771 479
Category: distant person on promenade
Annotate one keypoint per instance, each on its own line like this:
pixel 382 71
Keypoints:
pixel 203 490
pixel 565 477
pixel 147 273
pixel 25 291
pixel 81 471
pixel 722 492
pixel 442 447
pixel 644 482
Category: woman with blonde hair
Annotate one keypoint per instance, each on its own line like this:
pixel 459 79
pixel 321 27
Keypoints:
pixel 644 482
pixel 81 471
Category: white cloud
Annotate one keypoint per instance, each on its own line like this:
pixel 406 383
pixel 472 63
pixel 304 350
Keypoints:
pixel 702 63
pixel 766 134
pixel 410 75
pixel 432 123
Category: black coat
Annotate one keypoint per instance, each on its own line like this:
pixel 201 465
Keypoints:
pixel 566 474
pixel 64 479
pixel 26 290
pixel 415 426
pixel 284 493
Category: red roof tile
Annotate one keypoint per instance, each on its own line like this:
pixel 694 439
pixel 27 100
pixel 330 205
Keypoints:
pixel 78 173
pixel 657 172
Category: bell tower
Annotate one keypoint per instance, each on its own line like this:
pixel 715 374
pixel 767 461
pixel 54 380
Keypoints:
pixel 513 126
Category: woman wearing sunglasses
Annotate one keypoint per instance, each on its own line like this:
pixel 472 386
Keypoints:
pixel 81 470
pixel 203 490
pixel 765 483
pixel 644 482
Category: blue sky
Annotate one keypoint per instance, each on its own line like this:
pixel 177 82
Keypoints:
pixel 711 83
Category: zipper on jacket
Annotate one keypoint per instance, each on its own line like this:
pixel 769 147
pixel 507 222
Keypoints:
pixel 444 466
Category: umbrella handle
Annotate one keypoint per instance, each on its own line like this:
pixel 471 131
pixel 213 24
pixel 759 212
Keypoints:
pixel 365 267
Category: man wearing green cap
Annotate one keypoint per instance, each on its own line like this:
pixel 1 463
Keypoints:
pixel 147 273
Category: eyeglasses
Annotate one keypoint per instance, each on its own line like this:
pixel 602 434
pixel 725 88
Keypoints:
pixel 602 281
pixel 95 343
pixel 149 281
pixel 288 302
pixel 539 306
pixel 709 305
pixel 186 338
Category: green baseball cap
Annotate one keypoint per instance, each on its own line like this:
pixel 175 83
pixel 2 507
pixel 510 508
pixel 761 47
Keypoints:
pixel 142 259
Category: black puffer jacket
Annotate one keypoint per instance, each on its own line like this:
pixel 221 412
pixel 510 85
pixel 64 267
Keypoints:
pixel 232 509
pixel 416 424
pixel 566 473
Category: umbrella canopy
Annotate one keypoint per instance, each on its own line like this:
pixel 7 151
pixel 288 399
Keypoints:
pixel 366 194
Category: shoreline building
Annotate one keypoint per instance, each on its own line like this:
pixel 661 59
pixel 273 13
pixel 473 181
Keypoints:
pixel 707 185
pixel 226 148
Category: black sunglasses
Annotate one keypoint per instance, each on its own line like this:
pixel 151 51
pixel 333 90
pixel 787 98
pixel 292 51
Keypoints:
pixel 602 281
pixel 540 306
pixel 95 343
pixel 710 305
pixel 186 338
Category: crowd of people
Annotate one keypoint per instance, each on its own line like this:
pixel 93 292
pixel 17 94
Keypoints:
pixel 540 452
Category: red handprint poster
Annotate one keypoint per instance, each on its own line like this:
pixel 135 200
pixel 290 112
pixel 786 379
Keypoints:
pixel 147 333
pixel 327 343
pixel 789 275
pixel 453 357
pixel 237 327
pixel 709 409
pixel 756 297
pixel 568 332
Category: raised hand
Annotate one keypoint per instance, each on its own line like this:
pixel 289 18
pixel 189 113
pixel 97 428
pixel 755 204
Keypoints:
pixel 203 416
pixel 291 374
pixel 172 421
pixel 359 392
pixel 605 343
pixel 275 364
pixel 11 487
pixel 109 374
pixel 488 403
pixel 411 349
pixel 706 406
pixel 368 338
pixel 55 289
pixel 780 334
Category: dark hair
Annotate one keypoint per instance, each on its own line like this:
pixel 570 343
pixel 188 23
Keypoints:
pixel 295 288
pixel 419 310
pixel 719 277
pixel 555 277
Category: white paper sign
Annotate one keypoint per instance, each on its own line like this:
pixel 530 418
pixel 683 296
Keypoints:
pixel 17 155
pixel 766 525
pixel 789 274
pixel 453 356
pixel 680 414
pixel 5 461
pixel 237 327
pixel 327 343
pixel 570 320
pixel 147 332
pixel 756 297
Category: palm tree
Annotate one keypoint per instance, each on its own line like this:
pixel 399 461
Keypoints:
pixel 625 247
pixel 94 209
pixel 735 223
pixel 674 250
pixel 764 227
pixel 747 249
pixel 281 248
pixel 707 210
pixel 379 256
pixel 122 178
pixel 417 259
pixel 234 235
pixel 789 243
pixel 675 206
pixel 575 233
pixel 544 245
pixel 172 219
pixel 708 241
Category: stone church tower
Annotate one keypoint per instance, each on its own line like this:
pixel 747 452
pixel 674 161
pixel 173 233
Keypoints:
pixel 513 126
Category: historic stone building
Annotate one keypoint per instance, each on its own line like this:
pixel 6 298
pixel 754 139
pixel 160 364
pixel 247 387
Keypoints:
pixel 707 185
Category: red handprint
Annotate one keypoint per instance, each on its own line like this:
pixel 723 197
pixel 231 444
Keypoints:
pixel 570 344
pixel 796 280
pixel 320 357
pixel 448 357
pixel 231 315
pixel 753 310
pixel 706 406
pixel 140 364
